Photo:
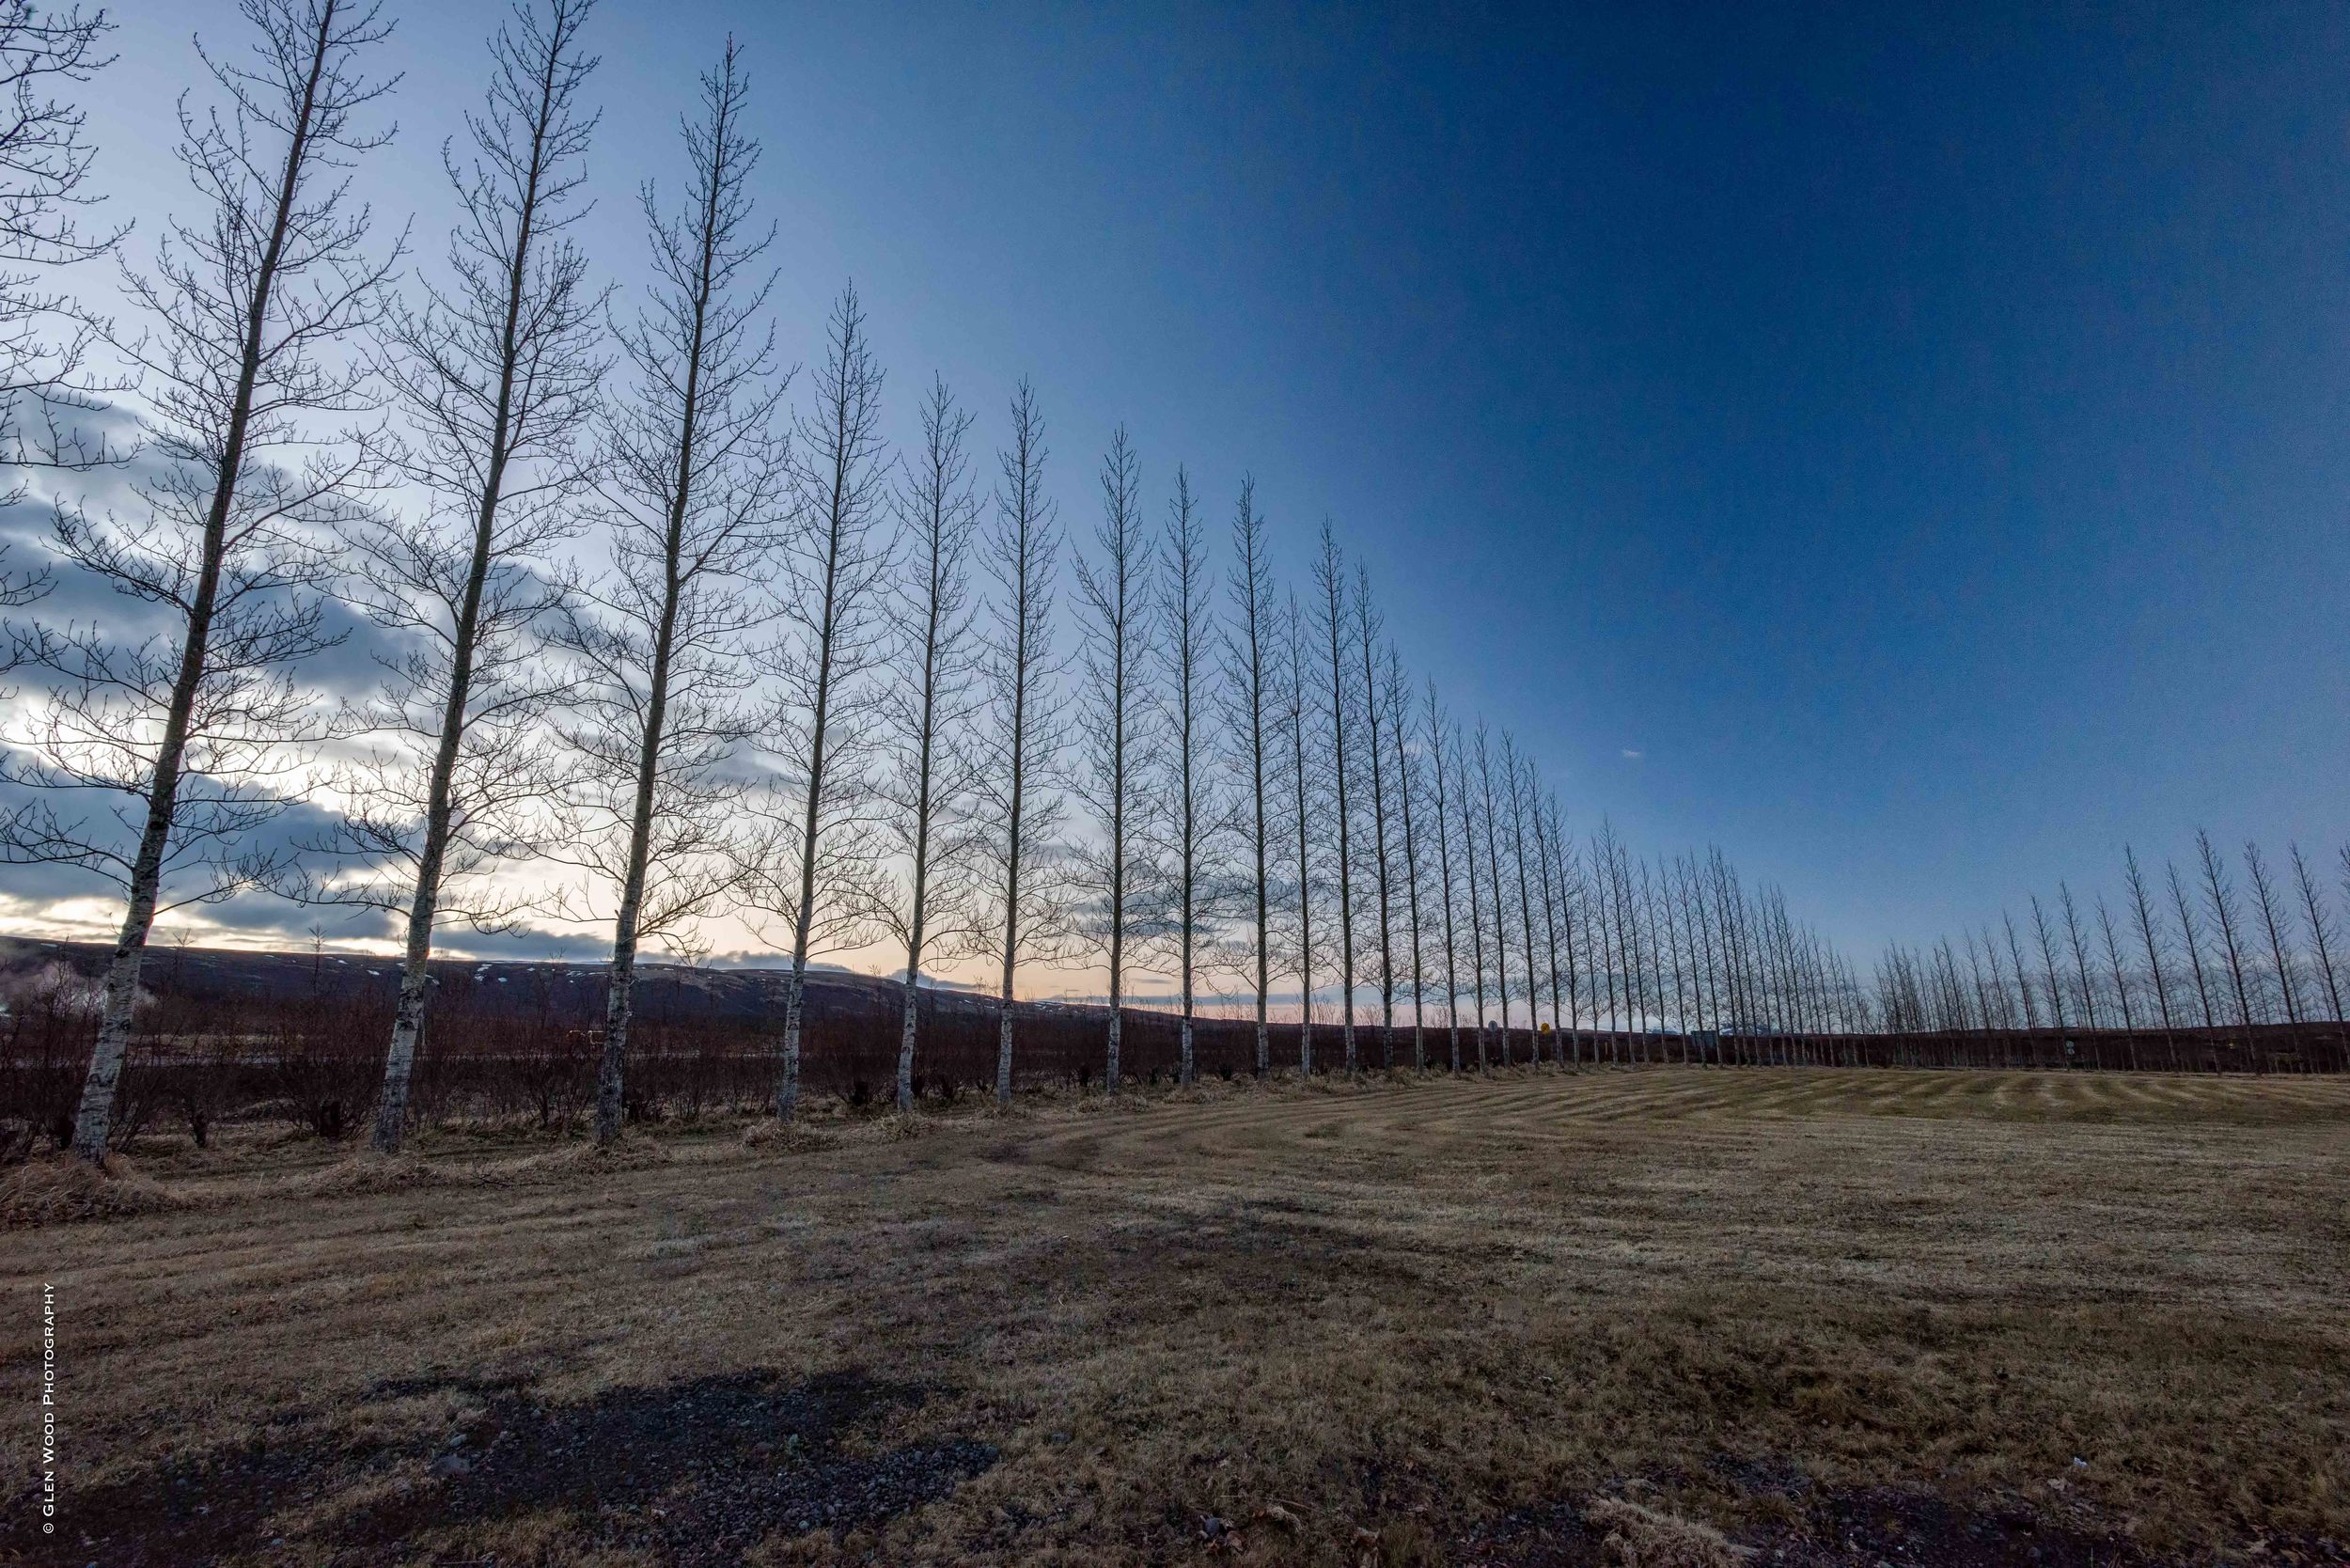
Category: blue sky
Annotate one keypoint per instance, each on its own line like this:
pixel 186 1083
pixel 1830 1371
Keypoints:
pixel 1907 447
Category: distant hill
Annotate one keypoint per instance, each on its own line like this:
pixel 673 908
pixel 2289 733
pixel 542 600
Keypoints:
pixel 499 988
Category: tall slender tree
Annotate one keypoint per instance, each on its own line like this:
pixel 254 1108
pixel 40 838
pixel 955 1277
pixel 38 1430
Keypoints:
pixel 1447 899
pixel 1473 889
pixel 1370 627
pixel 2115 969
pixel 1545 868
pixel 2080 953
pixel 1696 918
pixel 1192 819
pixel 2219 901
pixel 1115 601
pixel 691 497
pixel 1019 804
pixel 1115 637
pixel 1297 699
pixel 1514 797
pixel 836 572
pixel 1656 894
pixel 1393 694
pixel 2149 938
pixel 2007 1010
pixel 2268 902
pixel 1251 703
pixel 2187 934
pixel 244 349
pixel 1604 924
pixel 2048 963
pixel 497 375
pixel 1488 818
pixel 926 786
pixel 1331 608
pixel 2323 935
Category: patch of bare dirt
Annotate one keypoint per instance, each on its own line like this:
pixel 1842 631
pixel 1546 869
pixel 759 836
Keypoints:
pixel 1863 1527
pixel 692 1474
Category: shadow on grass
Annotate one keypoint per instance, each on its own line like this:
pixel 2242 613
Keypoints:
pixel 689 1473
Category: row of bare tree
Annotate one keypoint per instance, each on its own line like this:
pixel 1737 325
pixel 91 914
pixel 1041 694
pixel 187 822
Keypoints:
pixel 640 613
pixel 2183 952
pixel 674 629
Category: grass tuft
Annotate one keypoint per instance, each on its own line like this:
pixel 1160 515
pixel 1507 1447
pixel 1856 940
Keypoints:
pixel 1642 1536
pixel 66 1188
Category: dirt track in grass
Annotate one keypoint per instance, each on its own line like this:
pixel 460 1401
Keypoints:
pixel 1866 1316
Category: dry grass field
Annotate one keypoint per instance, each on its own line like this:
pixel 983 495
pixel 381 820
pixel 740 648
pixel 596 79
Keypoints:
pixel 1663 1316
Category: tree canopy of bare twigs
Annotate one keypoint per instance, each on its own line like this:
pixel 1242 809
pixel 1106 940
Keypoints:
pixel 47 387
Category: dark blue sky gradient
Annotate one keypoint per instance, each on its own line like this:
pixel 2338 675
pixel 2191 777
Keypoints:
pixel 1924 438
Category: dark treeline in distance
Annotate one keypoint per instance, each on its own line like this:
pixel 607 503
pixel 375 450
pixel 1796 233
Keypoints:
pixel 669 627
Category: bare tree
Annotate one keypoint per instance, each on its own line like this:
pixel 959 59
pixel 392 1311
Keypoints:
pixel 1647 1000
pixel 1114 596
pixel 1472 888
pixel 695 482
pixel 2194 943
pixel 1447 899
pixel 2276 922
pixel 2219 899
pixel 1368 628
pixel 1020 807
pixel 2149 937
pixel 1330 607
pixel 835 577
pixel 497 375
pixel 1393 696
pixel 1603 965
pixel 1515 769
pixel 2120 977
pixel 2342 862
pixel 1656 896
pixel 247 316
pixel 1251 697
pixel 1488 818
pixel 2323 935
pixel 2080 953
pixel 1294 695
pixel 1730 911
pixel 928 785
pixel 1545 869
pixel 1988 1010
pixel 1191 820
pixel 2008 1013
pixel 2048 962
pixel 1557 863
pixel 1693 920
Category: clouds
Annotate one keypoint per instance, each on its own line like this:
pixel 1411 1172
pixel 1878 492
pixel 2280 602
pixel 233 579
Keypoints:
pixel 118 495
pixel 290 814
